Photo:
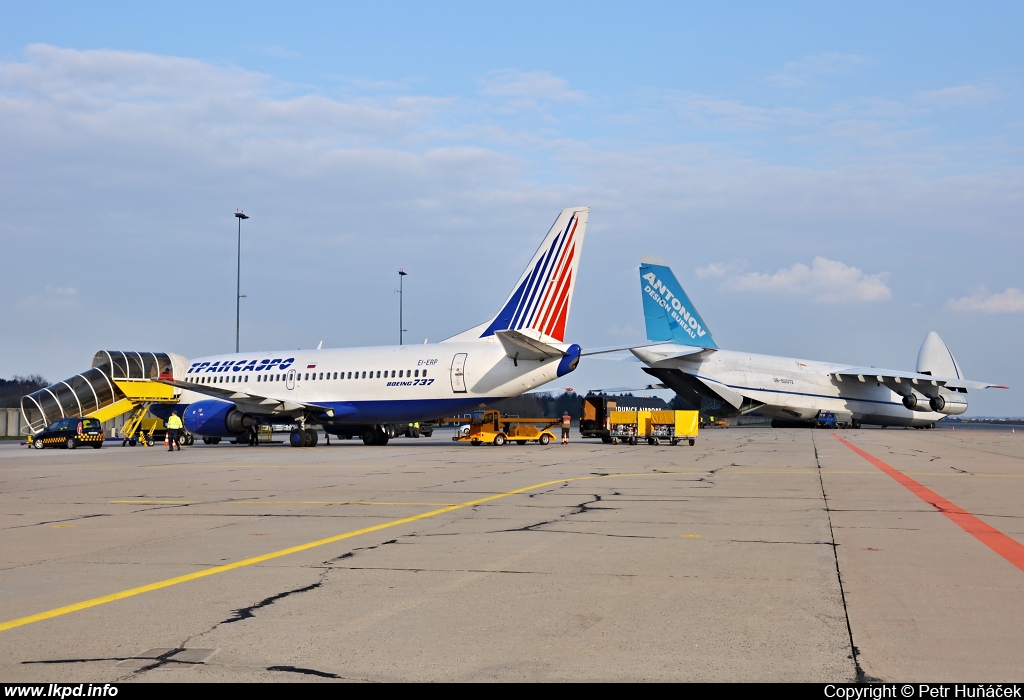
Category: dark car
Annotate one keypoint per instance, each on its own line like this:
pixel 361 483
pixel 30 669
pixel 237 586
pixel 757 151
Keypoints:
pixel 69 433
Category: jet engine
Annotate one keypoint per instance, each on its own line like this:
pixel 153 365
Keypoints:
pixel 949 404
pixel 216 419
pixel 916 402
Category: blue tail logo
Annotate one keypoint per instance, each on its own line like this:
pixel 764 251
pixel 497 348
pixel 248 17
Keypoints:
pixel 668 312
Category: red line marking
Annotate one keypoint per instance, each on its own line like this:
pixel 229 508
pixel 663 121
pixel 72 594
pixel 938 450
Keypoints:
pixel 1008 548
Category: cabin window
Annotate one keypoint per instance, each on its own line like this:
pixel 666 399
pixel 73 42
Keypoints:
pixel 364 375
pixel 424 373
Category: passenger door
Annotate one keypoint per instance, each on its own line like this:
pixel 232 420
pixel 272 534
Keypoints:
pixel 459 373
pixel 289 382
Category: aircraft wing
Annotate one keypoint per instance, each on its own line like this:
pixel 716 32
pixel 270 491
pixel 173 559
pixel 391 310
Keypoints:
pixel 613 348
pixel 891 376
pixel 250 402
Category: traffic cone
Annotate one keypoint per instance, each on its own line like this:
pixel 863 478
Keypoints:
pixel 167 440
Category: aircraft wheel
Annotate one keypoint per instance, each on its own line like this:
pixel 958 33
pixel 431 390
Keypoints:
pixel 544 439
pixel 215 441
pixel 314 437
pixel 370 437
pixel 297 438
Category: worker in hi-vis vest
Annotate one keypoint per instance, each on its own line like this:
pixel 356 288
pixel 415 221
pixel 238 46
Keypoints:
pixel 174 426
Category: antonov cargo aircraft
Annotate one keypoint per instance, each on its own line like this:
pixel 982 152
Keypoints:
pixel 687 360
pixel 366 391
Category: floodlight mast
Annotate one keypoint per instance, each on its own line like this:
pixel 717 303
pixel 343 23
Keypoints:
pixel 238 283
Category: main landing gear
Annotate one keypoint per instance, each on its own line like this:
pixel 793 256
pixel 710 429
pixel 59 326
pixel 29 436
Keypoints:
pixel 303 437
pixel 377 435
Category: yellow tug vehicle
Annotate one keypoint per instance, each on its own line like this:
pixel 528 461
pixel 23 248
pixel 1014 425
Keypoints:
pixel 492 428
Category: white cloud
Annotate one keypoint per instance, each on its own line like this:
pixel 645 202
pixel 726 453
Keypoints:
pixel 825 281
pixel 527 90
pixel 958 96
pixel 1008 301
pixel 52 299
pixel 717 270
pixel 810 69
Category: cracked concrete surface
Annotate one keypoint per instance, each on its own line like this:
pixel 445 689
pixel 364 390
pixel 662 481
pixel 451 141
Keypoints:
pixel 756 555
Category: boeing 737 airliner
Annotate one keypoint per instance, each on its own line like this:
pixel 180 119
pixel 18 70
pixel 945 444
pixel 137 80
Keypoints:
pixel 687 360
pixel 366 391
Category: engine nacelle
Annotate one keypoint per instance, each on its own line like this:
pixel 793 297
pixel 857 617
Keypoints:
pixel 917 402
pixel 948 404
pixel 216 419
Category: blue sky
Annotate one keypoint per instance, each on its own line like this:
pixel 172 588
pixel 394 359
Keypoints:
pixel 827 182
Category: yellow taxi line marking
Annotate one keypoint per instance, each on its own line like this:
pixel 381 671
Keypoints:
pixel 166 583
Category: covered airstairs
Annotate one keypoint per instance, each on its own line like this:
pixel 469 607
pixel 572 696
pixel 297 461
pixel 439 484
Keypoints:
pixel 118 382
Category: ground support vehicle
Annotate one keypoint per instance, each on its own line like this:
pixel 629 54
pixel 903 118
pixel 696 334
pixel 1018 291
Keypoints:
pixel 597 409
pixel 674 426
pixel 69 433
pixel 627 426
pixel 833 420
pixel 492 428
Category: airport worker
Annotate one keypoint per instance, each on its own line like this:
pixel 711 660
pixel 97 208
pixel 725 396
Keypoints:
pixel 174 426
pixel 566 423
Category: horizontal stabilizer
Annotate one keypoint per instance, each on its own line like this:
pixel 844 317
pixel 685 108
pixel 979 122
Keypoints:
pixel 520 346
pixel 659 353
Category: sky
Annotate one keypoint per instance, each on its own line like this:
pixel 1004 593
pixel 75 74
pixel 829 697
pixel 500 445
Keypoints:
pixel 827 182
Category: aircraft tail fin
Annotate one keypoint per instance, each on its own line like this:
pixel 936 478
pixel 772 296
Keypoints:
pixel 668 313
pixel 935 359
pixel 539 303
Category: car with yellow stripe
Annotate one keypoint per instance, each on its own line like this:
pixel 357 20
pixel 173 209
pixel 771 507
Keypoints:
pixel 69 433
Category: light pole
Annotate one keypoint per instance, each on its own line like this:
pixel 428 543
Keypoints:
pixel 238 286
pixel 401 326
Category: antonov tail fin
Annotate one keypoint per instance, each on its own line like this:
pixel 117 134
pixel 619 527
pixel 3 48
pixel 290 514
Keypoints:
pixel 539 303
pixel 935 359
pixel 668 313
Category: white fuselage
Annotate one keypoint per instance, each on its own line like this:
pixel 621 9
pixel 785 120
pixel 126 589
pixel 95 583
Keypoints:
pixel 794 389
pixel 377 384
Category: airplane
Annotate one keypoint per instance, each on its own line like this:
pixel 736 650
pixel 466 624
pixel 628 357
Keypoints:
pixel 790 391
pixel 365 392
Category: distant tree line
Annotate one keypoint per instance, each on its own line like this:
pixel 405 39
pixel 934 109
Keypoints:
pixel 11 390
